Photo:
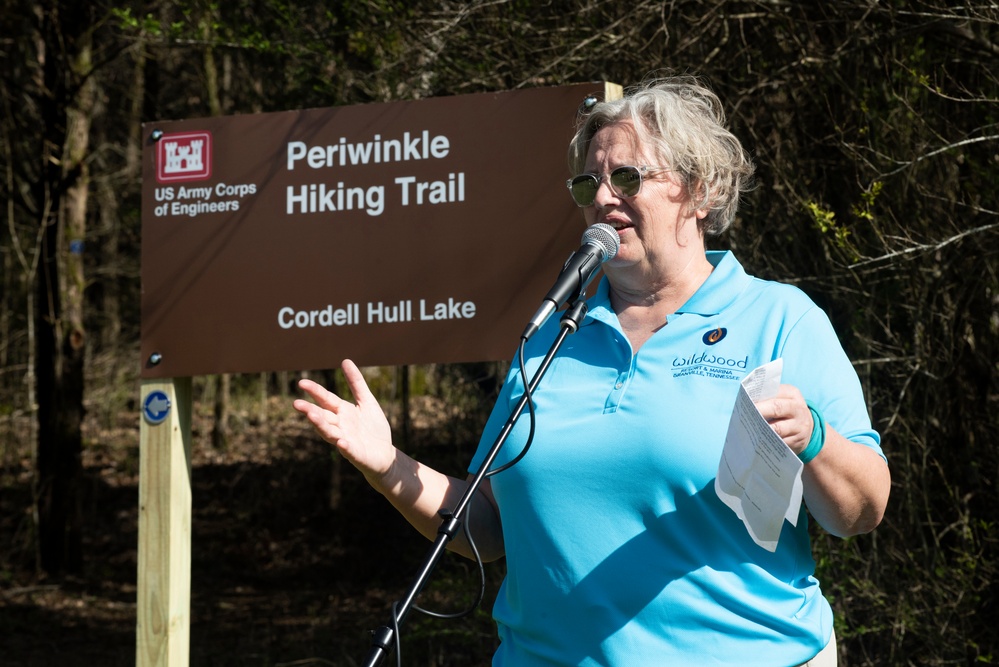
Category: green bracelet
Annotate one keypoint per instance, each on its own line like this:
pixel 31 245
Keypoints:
pixel 818 438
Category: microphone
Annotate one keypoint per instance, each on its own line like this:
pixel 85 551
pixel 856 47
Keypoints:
pixel 600 243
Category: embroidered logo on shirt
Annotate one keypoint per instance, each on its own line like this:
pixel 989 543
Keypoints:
pixel 714 335
pixel 711 364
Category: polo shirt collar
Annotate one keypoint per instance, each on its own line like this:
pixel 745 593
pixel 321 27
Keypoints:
pixel 723 286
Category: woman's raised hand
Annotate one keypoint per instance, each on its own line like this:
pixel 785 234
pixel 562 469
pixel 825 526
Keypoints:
pixel 359 430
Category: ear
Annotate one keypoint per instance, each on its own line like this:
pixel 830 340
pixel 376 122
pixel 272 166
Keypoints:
pixel 701 196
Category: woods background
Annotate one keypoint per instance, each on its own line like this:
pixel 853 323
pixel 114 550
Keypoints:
pixel 875 128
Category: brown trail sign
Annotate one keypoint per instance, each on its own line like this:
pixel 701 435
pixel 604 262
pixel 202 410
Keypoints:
pixel 399 233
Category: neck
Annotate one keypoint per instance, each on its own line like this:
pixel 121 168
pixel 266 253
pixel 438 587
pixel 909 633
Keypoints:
pixel 663 291
pixel 642 307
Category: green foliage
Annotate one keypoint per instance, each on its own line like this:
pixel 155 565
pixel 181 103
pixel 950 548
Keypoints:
pixel 825 222
pixel 864 210
pixel 128 22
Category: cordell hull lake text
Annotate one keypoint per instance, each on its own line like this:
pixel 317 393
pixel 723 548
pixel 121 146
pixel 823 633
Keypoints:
pixel 375 313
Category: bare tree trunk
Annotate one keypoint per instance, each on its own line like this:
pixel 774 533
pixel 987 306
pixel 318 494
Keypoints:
pixel 27 261
pixel 262 396
pixel 133 150
pixel 7 293
pixel 211 70
pixel 220 431
pixel 404 416
pixel 65 54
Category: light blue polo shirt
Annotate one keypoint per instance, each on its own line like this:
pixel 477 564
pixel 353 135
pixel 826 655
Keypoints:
pixel 618 551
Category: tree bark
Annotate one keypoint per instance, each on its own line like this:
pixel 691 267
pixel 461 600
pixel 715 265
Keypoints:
pixel 68 97
pixel 220 431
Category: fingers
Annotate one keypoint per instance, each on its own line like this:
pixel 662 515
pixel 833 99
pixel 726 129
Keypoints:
pixel 323 412
pixel 320 394
pixel 356 382
pixel 787 404
pixel 325 422
pixel 788 415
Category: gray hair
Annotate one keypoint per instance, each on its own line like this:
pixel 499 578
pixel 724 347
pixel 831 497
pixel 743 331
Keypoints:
pixel 682 121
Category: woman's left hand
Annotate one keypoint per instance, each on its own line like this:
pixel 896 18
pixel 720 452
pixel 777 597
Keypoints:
pixel 789 417
pixel 846 486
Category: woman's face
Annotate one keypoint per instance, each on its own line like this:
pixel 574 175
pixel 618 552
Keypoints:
pixel 655 225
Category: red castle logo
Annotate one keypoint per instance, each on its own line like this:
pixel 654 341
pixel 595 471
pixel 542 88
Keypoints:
pixel 184 156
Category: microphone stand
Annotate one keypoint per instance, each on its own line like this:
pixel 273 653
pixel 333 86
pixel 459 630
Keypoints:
pixel 384 637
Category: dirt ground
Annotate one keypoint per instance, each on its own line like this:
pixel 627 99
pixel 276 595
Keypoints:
pixel 294 561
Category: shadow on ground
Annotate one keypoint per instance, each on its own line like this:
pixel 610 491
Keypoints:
pixel 293 561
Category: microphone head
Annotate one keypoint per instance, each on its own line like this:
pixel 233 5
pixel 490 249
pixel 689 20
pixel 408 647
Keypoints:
pixel 605 237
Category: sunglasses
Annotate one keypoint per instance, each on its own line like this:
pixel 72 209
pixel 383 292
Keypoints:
pixel 624 182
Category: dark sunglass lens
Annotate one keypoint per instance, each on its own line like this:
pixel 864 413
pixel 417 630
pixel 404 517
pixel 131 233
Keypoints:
pixel 627 180
pixel 584 189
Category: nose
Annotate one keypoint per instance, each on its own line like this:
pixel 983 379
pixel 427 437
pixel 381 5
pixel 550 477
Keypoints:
pixel 605 195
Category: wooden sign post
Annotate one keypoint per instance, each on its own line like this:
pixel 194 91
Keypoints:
pixel 163 635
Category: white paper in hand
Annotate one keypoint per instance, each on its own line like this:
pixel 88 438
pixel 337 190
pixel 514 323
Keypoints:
pixel 759 477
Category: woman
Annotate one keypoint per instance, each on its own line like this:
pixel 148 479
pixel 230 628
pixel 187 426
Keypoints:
pixel 618 550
